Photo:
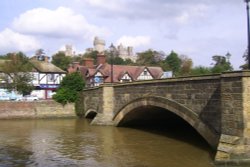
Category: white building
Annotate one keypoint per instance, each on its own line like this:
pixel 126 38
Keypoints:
pixel 99 45
pixel 46 77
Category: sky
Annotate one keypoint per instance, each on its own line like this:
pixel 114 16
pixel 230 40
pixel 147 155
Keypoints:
pixel 198 29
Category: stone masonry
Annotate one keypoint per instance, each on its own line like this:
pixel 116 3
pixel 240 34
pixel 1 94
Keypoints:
pixel 217 106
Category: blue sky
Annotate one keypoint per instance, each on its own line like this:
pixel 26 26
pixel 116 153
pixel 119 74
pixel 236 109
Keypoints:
pixel 198 29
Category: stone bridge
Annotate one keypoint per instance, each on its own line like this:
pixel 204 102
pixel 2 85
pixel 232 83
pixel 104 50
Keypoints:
pixel 216 106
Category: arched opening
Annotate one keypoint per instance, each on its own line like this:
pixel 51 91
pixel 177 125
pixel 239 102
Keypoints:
pixel 163 113
pixel 90 114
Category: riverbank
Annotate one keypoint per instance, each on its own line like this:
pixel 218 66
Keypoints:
pixel 36 109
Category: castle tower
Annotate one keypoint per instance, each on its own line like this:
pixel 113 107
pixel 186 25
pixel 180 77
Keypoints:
pixel 99 45
pixel 69 50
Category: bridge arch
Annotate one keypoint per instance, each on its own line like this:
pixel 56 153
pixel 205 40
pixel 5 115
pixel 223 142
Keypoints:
pixel 181 111
pixel 91 114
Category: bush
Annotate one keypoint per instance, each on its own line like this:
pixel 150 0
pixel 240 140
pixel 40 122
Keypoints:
pixel 69 88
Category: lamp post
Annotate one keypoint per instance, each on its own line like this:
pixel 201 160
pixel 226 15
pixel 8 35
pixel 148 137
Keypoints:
pixel 112 50
pixel 248 33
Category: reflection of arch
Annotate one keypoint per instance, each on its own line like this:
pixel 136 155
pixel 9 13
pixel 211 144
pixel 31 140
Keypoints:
pixel 185 113
pixel 91 113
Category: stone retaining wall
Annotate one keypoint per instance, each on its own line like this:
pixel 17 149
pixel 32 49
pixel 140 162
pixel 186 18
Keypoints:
pixel 39 109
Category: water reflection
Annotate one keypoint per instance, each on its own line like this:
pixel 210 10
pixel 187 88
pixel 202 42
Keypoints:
pixel 72 142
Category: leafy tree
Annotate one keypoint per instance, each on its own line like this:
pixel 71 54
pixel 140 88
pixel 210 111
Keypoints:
pixel 200 70
pixel 222 63
pixel 61 60
pixel 40 54
pixel 92 55
pixel 245 66
pixel 17 70
pixel 186 65
pixel 174 62
pixel 69 88
pixel 149 58
pixel 116 60
pixel 128 62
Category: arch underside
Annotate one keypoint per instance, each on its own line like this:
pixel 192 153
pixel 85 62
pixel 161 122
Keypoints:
pixel 170 106
pixel 91 113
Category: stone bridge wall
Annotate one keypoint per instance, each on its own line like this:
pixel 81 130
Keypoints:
pixel 201 96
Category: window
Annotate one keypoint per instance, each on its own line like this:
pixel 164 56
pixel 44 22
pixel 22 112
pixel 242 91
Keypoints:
pixel 51 77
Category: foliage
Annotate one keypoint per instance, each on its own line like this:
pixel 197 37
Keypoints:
pixel 92 55
pixel 69 88
pixel 222 63
pixel 186 65
pixel 116 60
pixel 17 70
pixel 148 58
pixel 200 70
pixel 245 66
pixel 174 62
pixel 61 60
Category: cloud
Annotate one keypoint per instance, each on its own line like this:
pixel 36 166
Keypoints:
pixel 11 41
pixel 113 5
pixel 60 23
pixel 136 41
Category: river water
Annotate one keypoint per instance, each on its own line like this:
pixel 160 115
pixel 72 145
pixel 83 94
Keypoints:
pixel 73 142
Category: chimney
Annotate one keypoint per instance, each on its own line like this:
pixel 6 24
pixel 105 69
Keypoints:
pixel 46 59
pixel 101 59
pixel 88 62
pixel 76 64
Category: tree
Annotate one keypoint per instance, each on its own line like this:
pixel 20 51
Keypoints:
pixel 17 76
pixel 69 88
pixel 92 55
pixel 116 60
pixel 245 66
pixel 186 65
pixel 222 63
pixel 174 62
pixel 61 60
pixel 40 54
pixel 148 58
pixel 200 70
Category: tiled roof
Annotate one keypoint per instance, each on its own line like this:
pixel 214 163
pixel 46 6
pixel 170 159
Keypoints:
pixel 120 70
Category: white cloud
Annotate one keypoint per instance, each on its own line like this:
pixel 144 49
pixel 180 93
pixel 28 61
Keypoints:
pixel 59 23
pixel 136 41
pixel 11 41
pixel 110 5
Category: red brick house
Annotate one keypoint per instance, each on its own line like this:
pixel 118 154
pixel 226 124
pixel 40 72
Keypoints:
pixel 101 72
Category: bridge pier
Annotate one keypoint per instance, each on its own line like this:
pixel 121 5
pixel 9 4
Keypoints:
pixel 107 107
pixel 234 144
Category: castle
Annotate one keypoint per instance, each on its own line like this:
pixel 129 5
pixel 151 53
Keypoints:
pixel 122 52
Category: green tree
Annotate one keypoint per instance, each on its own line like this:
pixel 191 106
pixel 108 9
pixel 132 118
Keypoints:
pixel 174 62
pixel 148 58
pixel 92 55
pixel 245 66
pixel 116 60
pixel 17 74
pixel 200 70
pixel 61 60
pixel 69 88
pixel 222 63
pixel 186 65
